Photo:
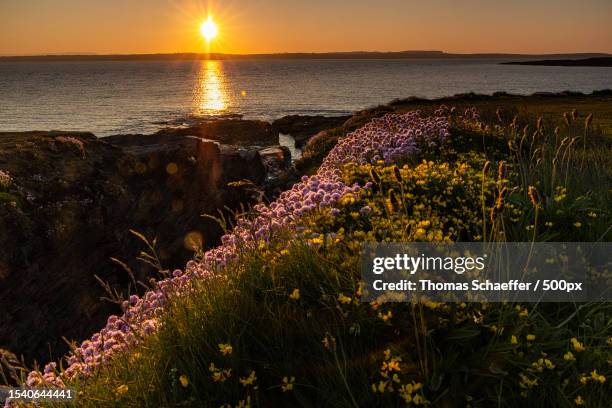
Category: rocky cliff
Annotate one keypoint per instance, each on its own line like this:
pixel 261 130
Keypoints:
pixel 72 199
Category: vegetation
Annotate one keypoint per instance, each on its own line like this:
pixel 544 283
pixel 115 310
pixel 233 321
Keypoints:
pixel 281 323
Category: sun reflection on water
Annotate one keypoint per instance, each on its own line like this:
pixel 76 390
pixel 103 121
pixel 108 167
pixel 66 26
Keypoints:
pixel 211 93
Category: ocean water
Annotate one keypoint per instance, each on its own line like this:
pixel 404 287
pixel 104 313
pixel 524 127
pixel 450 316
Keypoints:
pixel 113 97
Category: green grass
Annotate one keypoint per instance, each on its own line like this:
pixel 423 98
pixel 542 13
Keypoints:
pixel 345 353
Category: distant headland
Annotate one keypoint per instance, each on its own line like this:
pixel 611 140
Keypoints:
pixel 583 62
pixel 300 55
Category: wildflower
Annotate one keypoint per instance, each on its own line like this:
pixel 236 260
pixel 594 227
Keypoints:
pixel 526 382
pixel 548 224
pixel 287 384
pixel 345 300
pixel 513 340
pixel 578 346
pixel 592 214
pixel 250 380
pixel 122 389
pixel 381 387
pixel 569 356
pixel 579 401
pixel 598 377
pixel 523 312
pixel 219 375
pixel 295 295
pixel 577 224
pixel 419 400
pixel 530 337
pixel 225 349
pixel 385 316
pixel 5 179
pixel 184 380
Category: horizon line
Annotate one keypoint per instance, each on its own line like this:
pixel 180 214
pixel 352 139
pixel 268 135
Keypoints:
pixel 220 55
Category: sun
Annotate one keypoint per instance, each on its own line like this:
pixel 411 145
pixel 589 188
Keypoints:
pixel 208 29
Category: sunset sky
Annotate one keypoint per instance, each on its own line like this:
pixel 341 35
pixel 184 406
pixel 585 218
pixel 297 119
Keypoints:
pixel 30 27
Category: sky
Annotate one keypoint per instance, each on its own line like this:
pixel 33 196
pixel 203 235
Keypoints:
pixel 34 27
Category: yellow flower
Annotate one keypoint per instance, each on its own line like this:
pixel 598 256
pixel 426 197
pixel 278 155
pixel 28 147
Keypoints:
pixel 392 365
pixel 317 241
pixel 526 382
pixel 219 375
pixel 381 387
pixel 122 389
pixel 523 313
pixel 592 214
pixel 184 380
pixel 577 224
pixel 287 384
pixel 249 380
pixel 385 316
pixel 583 379
pixel 598 377
pixel 225 349
pixel 295 295
pixel 578 346
pixel 418 400
pixel 549 364
pixel 530 337
pixel 344 299
pixel 579 400
pixel 569 356
pixel 513 340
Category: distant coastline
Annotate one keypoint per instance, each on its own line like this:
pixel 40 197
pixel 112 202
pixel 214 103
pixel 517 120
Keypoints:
pixel 329 55
pixel 583 62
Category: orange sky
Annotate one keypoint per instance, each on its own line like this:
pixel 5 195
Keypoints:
pixel 261 26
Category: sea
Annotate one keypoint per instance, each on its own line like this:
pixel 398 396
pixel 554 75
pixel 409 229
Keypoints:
pixel 117 97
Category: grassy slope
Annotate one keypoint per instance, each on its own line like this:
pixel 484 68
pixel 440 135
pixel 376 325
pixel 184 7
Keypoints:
pixel 341 352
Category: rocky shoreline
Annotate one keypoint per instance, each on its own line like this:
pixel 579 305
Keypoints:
pixel 73 198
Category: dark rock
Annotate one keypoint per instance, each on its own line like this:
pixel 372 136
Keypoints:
pixel 303 128
pixel 276 157
pixel 69 209
pixel 226 131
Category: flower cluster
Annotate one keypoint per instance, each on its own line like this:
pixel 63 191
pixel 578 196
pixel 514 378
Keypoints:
pixel 388 138
pixel 5 179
